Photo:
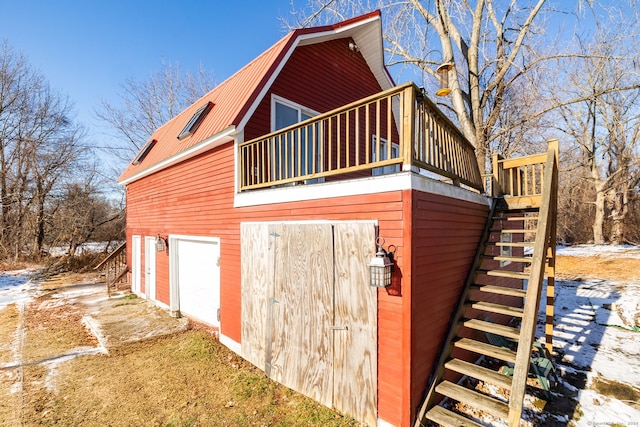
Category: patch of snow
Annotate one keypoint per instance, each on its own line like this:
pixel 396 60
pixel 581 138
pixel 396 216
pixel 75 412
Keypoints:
pixel 600 410
pixel 90 247
pixel 15 286
pixel 594 330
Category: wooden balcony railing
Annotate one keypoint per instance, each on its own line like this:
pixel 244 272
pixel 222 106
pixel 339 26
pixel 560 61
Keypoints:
pixel 519 180
pixel 391 131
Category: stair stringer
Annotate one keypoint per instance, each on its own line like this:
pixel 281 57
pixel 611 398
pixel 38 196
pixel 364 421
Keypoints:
pixel 546 222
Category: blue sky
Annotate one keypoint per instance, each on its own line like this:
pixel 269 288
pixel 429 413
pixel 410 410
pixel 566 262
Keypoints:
pixel 86 49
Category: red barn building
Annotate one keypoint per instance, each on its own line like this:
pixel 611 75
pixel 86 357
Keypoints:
pixel 269 194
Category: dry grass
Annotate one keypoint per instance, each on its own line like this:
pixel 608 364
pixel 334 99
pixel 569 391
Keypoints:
pixel 186 379
pixel 623 392
pixel 9 398
pixel 53 328
pixel 619 269
pixel 9 318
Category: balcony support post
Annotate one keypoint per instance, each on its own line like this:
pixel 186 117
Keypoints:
pixel 408 126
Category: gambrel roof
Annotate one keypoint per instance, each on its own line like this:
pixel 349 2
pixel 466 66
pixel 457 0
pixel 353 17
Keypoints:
pixel 221 114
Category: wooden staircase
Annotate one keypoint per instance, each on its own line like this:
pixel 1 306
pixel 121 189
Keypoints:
pixel 115 269
pixel 500 300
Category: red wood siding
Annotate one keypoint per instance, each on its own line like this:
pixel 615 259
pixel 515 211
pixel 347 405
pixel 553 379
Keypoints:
pixel 321 77
pixel 196 198
pixel 445 235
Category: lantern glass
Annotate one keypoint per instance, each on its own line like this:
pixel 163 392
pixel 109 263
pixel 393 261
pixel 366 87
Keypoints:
pixel 160 244
pixel 380 271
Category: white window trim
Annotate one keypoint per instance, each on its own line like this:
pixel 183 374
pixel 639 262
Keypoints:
pixel 301 109
pixel 381 170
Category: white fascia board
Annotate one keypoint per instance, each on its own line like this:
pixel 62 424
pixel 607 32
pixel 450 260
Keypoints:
pixel 213 141
pixel 356 187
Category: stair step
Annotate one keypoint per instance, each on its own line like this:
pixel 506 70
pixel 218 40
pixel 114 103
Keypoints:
pixel 447 418
pixel 479 372
pixel 479 347
pixel 515 218
pixel 513 244
pixel 505 273
pixel 511 231
pixel 463 394
pixel 492 328
pixel 509 258
pixel 500 290
pixel 496 308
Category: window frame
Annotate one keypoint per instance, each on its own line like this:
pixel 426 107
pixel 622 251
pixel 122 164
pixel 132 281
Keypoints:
pixel 146 148
pixel 195 121
pixel 301 110
pixel 388 169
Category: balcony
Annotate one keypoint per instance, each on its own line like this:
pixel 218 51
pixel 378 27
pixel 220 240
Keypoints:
pixel 392 131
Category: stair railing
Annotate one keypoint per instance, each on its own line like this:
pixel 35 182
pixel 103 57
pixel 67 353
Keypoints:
pixel 114 267
pixel 544 234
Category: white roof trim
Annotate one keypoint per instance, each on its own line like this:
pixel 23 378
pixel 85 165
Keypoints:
pixel 207 144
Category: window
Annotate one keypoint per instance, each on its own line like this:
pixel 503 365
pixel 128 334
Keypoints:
pixel 384 152
pixel 144 151
pixel 195 121
pixel 506 251
pixel 295 152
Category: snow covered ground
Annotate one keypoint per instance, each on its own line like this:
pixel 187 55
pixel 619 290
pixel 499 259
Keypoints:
pixel 15 286
pixel 597 333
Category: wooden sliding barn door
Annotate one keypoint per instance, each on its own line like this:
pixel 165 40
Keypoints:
pixel 355 350
pixel 302 310
pixel 309 316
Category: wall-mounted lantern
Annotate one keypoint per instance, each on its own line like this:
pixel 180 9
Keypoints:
pixel 443 74
pixel 161 243
pixel 381 266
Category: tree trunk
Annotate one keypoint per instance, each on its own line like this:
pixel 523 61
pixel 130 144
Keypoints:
pixel 598 221
pixel 618 214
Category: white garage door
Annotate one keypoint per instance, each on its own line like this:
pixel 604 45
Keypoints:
pixel 198 278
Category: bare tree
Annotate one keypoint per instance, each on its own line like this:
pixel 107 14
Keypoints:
pixel 604 125
pixel 83 214
pixel 143 106
pixel 39 145
pixel 485 41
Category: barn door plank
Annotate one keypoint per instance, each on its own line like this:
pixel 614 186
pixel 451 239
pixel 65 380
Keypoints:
pixel 355 348
pixel 256 281
pixel 301 351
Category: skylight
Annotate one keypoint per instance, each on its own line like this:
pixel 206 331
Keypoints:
pixel 144 151
pixel 195 121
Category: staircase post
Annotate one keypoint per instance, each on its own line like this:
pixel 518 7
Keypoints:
pixel 497 170
pixel 551 261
